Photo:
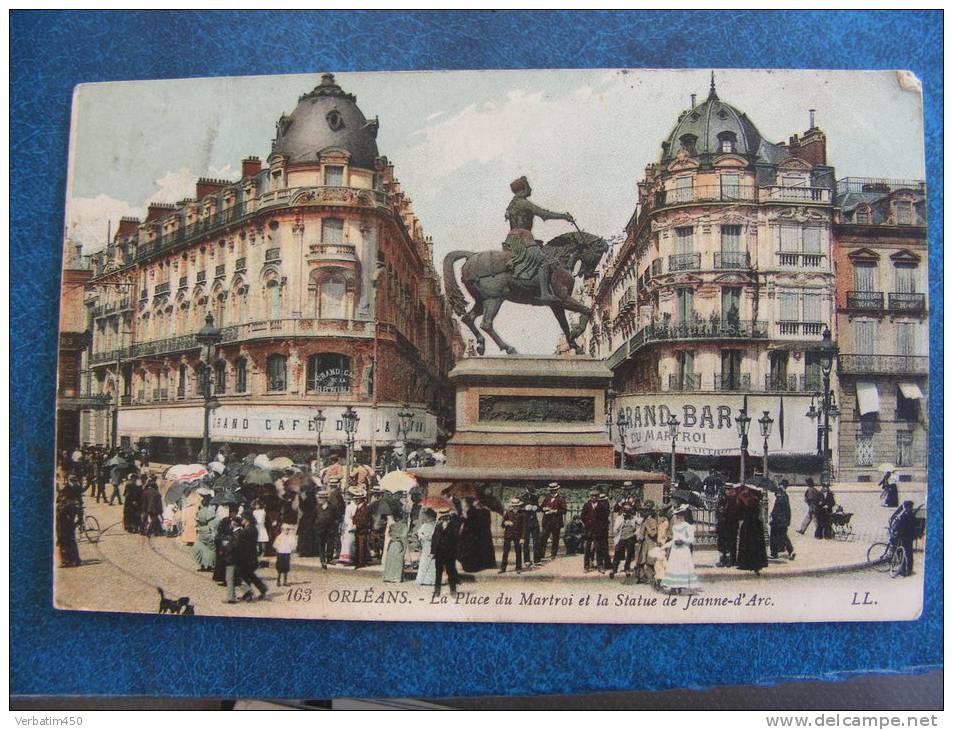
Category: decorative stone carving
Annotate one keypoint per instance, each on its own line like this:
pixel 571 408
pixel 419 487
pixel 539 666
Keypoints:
pixel 540 409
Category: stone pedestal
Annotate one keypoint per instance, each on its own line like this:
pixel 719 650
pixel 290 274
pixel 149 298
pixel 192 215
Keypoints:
pixel 523 419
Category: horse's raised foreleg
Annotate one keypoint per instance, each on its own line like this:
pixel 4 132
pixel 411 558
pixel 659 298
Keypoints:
pixel 469 319
pixel 490 308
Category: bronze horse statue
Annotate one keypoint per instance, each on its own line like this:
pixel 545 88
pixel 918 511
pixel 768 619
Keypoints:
pixel 488 278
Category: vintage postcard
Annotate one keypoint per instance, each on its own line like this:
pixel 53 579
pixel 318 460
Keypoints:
pixel 607 346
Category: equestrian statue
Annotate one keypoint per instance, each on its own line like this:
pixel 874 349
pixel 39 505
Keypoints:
pixel 525 272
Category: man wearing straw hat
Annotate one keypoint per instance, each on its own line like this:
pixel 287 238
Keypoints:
pixel 512 532
pixel 443 546
pixel 554 508
pixel 363 522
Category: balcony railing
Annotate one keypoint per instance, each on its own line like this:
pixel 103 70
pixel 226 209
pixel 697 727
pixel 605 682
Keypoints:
pixel 786 328
pixel 239 264
pixel 273 254
pixel 220 271
pixel 733 260
pixel 627 301
pixel 711 329
pixel 792 383
pixel 200 277
pixel 704 194
pixel 883 364
pixel 163 288
pixel 183 282
pixel 906 302
pixel 733 382
pixel 793 194
pixel 685 262
pixel 865 300
pixel 687 381
pixel 800 260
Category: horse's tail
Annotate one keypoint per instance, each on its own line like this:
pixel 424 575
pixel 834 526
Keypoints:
pixel 454 296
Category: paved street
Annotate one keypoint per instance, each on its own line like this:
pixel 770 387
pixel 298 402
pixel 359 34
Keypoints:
pixel 122 571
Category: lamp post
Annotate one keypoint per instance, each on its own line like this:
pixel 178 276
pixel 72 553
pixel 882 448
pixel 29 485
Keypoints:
pixel 826 352
pixel 209 336
pixel 405 418
pixel 765 422
pixel 319 420
pixel 350 419
pixel 623 426
pixel 673 424
pixel 610 401
pixel 743 420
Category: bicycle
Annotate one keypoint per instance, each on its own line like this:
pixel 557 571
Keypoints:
pixel 887 557
pixel 87 527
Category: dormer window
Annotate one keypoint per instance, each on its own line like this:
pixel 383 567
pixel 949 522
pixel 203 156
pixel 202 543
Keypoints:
pixel 688 143
pixel 904 209
pixel 727 142
pixel 334 175
pixel 862 215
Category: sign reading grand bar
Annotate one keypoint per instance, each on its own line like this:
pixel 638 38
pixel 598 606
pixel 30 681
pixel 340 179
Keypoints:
pixel 606 346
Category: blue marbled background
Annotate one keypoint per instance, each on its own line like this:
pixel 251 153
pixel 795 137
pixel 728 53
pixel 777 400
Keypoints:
pixel 99 654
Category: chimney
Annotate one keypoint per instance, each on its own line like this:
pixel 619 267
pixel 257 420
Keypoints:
pixel 693 101
pixel 811 112
pixel 251 166
pixel 158 210
pixel 127 227
pixel 207 186
pixel 812 147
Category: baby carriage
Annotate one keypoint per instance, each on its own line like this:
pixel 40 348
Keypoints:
pixel 840 523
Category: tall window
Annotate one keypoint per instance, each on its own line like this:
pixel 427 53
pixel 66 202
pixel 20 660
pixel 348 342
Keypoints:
pixel 683 240
pixel 865 335
pixel 778 360
pixel 731 303
pixel 180 390
pixel 790 237
pixel 334 175
pixel 906 338
pixel 329 372
pixel 904 447
pixel 685 364
pixel 332 303
pixel 274 299
pixel 864 276
pixel 276 370
pixel 219 377
pixel 812 371
pixel 812 239
pixel 683 189
pixel 789 306
pixel 241 375
pixel 865 447
pixel 726 142
pixel 730 186
pixel 906 279
pixel 862 215
pixel 904 212
pixel 332 231
pixel 684 301
pixel 812 307
pixel 730 238
pixel 731 369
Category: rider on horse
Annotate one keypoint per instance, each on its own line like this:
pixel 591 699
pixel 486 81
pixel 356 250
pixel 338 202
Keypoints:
pixel 528 259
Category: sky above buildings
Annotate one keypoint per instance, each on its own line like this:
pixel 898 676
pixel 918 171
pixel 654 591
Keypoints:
pixel 457 139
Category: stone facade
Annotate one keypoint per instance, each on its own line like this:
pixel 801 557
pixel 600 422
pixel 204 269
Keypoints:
pixel 882 318
pixel 314 267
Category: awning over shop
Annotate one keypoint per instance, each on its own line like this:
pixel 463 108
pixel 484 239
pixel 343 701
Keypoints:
pixel 868 399
pixel 911 391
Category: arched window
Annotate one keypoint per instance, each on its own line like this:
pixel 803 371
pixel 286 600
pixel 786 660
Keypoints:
pixel 180 391
pixel 688 142
pixel 276 369
pixel 219 372
pixel 329 372
pixel 218 307
pixel 726 142
pixel 273 292
pixel 333 292
pixel 241 375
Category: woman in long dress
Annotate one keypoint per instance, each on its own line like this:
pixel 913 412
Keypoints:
pixel 426 569
pixel 192 504
pixel 680 567
pixel 752 551
pixel 206 524
pixel 347 532
pixel 307 545
pixel 396 549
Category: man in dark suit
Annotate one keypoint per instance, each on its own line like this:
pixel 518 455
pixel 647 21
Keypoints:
pixel 443 547
pixel 530 500
pixel 325 528
pixel 363 524
pixel 904 527
pixel 246 555
pixel 780 521
pixel 595 518
pixel 554 509
pixel 512 533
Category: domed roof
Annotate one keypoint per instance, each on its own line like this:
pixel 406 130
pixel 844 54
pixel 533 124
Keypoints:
pixel 327 117
pixel 700 130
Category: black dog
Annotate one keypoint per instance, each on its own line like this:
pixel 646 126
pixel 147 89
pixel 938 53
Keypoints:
pixel 176 606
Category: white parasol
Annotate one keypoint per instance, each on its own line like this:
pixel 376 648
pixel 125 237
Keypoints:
pixel 398 481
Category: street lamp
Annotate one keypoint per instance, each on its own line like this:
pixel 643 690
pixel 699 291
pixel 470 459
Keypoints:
pixel 350 418
pixel 209 336
pixel 623 426
pixel 319 420
pixel 743 420
pixel 765 422
pixel 405 418
pixel 826 352
pixel 673 424
pixel 610 400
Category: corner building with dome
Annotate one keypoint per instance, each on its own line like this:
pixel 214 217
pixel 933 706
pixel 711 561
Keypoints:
pixel 321 279
pixel 719 295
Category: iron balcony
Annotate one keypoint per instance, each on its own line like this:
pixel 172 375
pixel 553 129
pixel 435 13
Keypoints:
pixel 872 301
pixel 851 364
pixel 906 302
